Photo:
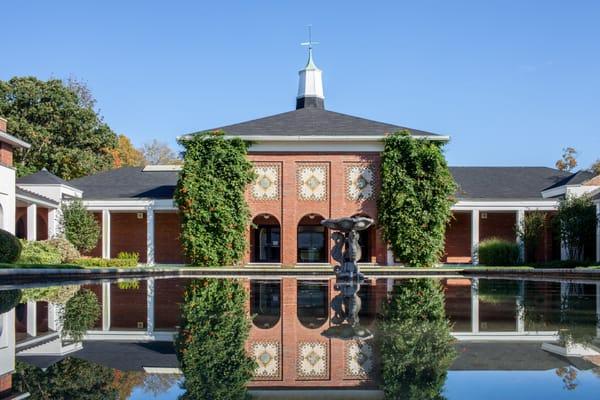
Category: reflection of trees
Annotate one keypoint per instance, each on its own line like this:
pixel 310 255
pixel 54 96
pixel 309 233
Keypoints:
pixel 568 376
pixel 70 378
pixel 211 341
pixel 414 341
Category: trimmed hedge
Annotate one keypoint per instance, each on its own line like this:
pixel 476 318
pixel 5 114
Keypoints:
pixel 10 247
pixel 98 262
pixel 9 299
pixel 40 252
pixel 498 252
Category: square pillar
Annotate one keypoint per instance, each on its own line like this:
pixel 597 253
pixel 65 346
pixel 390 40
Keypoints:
pixel 474 236
pixel 106 306
pixel 32 318
pixel 31 222
pixel 520 221
pixel 54 311
pixel 598 232
pixel 475 305
pixel 52 223
pixel 150 235
pixel 105 234
pixel 520 304
pixel 150 300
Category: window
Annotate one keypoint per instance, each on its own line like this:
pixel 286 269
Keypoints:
pixel 265 303
pixel 311 244
pixel 312 303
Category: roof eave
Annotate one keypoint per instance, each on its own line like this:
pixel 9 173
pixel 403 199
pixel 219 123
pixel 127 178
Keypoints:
pixel 13 141
pixel 320 138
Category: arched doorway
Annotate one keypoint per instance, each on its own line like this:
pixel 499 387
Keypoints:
pixel 312 305
pixel 366 240
pixel 265 303
pixel 265 239
pixel 312 240
pixel 21 227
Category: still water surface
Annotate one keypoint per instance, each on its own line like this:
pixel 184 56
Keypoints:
pixel 454 338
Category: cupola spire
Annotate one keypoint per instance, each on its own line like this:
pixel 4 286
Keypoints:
pixel 310 85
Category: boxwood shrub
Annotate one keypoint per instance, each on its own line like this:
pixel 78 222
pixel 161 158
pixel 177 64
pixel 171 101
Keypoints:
pixel 497 252
pixel 39 253
pixel 10 248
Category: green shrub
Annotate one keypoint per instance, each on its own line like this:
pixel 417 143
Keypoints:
pixel 124 255
pixel 79 226
pixel 531 232
pixel 68 252
pixel 129 284
pixel 51 294
pixel 80 314
pixel 39 253
pixel 495 252
pixel 10 247
pixel 576 223
pixel 211 341
pixel 211 198
pixel 9 299
pixel 98 262
pixel 415 199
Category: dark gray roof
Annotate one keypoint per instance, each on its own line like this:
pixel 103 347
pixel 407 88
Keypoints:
pixel 43 177
pixel 491 183
pixel 128 182
pixel 313 122
pixel 505 183
pixel 573 179
pixel 23 192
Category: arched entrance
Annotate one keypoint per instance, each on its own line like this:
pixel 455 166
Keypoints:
pixel 265 303
pixel 312 303
pixel 265 239
pixel 312 240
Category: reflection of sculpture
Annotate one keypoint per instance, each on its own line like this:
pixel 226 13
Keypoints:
pixel 346 251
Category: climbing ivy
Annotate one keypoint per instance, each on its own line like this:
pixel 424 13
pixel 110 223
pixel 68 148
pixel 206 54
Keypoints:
pixel 210 196
pixel 416 195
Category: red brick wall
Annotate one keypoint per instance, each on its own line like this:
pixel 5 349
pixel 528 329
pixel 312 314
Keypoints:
pixel 6 154
pixel 168 298
pixel 498 224
pixel 336 204
pixel 128 233
pixel 97 251
pixel 167 246
pixel 458 239
pixel 127 307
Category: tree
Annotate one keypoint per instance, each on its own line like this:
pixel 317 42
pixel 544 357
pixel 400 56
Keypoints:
pixel 415 199
pixel 210 195
pixel 67 136
pixel 414 341
pixel 568 160
pixel 595 168
pixel 210 345
pixel 126 155
pixel 156 152
pixel 79 314
pixel 531 231
pixel 576 223
pixel 79 226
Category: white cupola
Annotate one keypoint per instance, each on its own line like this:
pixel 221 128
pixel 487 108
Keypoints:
pixel 310 85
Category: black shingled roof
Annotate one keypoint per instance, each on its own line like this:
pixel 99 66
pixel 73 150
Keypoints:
pixel 573 179
pixel 490 183
pixel 313 122
pixel 42 177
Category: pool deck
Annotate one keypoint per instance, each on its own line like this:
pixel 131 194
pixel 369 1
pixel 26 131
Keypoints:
pixel 15 276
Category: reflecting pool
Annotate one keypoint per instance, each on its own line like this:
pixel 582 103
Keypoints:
pixel 195 338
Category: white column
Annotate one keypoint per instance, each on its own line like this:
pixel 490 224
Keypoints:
pixel 52 223
pixel 474 236
pixel 475 305
pixel 106 306
pixel 150 235
pixel 389 257
pixel 519 222
pixel 150 306
pixel 32 222
pixel 54 311
pixel 598 232
pixel 520 303
pixel 31 318
pixel 105 233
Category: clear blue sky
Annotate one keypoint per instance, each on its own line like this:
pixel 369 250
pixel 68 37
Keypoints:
pixel 513 82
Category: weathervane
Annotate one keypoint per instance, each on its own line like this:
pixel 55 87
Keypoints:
pixel 310 42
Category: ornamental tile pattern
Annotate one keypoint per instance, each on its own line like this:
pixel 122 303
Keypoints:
pixel 312 182
pixel 312 360
pixel 267 357
pixel 266 185
pixel 358 357
pixel 360 182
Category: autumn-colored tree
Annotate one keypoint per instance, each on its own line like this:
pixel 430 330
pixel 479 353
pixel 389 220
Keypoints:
pixel 568 160
pixel 126 155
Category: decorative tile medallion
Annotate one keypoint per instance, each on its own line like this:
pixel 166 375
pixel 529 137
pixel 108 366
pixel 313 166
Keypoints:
pixel 358 359
pixel 267 357
pixel 266 185
pixel 312 360
pixel 312 181
pixel 360 182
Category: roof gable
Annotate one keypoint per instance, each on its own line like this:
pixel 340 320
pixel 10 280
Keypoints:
pixel 42 177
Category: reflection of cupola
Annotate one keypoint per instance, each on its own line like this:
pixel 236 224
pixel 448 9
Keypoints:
pixel 310 86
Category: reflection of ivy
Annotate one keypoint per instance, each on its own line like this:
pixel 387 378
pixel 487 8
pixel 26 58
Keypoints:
pixel 414 341
pixel 211 341
pixel 70 378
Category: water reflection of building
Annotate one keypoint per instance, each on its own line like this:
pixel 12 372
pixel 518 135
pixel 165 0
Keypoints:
pixel 290 315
